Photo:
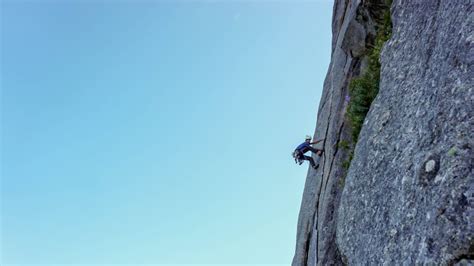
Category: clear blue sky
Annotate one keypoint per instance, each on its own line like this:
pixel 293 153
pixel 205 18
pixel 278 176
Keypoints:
pixel 156 132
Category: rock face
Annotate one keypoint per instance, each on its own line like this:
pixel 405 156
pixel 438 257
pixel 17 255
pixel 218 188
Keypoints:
pixel 353 30
pixel 408 195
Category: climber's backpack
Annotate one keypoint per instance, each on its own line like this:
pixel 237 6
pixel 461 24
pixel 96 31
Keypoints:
pixel 297 156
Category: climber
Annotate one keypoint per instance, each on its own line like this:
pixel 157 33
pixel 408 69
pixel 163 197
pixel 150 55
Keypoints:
pixel 304 147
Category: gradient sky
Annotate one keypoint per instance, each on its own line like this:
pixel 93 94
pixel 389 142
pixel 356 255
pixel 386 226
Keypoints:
pixel 156 132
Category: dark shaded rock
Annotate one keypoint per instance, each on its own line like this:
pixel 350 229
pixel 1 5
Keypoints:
pixel 354 43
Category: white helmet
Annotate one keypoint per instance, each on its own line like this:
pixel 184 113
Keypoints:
pixel 308 137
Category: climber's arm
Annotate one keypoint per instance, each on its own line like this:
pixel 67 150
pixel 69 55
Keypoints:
pixel 314 150
pixel 316 142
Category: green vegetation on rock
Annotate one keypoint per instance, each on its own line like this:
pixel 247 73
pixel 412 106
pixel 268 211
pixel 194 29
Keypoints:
pixel 364 89
pixel 452 151
pixel 344 144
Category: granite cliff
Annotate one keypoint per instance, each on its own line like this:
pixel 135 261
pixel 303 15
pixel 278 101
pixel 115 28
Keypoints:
pixel 401 191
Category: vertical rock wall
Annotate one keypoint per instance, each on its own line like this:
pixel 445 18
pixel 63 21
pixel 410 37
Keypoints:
pixel 408 194
pixel 354 28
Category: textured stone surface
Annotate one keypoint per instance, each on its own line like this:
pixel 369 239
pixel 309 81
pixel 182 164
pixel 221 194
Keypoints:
pixel 353 29
pixel 409 194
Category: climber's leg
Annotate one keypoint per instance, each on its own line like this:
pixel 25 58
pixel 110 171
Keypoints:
pixel 311 161
pixel 317 151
